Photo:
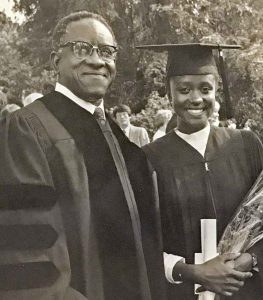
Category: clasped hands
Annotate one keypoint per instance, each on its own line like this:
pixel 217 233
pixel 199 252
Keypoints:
pixel 224 274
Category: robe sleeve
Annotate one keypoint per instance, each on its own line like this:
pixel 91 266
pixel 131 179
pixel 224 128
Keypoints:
pixel 34 261
pixel 23 152
pixel 254 151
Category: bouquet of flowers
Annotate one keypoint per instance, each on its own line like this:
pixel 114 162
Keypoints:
pixel 246 227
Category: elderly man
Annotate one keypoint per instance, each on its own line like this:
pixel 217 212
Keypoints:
pixel 137 135
pixel 78 216
pixel 204 172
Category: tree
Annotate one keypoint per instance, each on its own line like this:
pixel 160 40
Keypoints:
pixel 147 116
pixel 151 21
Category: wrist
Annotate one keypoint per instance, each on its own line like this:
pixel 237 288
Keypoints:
pixel 177 271
pixel 184 272
pixel 197 274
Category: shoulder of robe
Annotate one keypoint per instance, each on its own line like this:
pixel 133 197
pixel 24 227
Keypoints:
pixel 158 149
pixel 250 136
pixel 159 144
pixel 253 145
pixel 23 128
pixel 23 150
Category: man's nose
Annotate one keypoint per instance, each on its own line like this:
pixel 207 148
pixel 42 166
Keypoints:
pixel 95 59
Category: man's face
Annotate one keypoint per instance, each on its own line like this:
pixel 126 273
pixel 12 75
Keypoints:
pixel 88 78
pixel 123 119
pixel 193 98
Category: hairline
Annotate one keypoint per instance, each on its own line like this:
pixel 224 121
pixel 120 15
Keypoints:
pixel 60 29
pixel 168 80
pixel 121 108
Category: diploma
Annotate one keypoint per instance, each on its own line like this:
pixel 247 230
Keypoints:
pixel 209 250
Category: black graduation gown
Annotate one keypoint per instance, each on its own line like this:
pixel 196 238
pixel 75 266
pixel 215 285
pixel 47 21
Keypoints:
pixel 189 183
pixel 78 231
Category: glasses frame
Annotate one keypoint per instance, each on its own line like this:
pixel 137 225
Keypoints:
pixel 97 48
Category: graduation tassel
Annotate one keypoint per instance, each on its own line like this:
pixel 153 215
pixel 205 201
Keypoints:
pixel 228 113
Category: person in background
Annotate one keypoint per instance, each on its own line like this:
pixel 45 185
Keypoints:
pixel 78 214
pixel 137 135
pixel 3 100
pixel 231 123
pixel 204 172
pixel 214 119
pixel 247 125
pixel 31 98
pixel 163 116
pixel 8 109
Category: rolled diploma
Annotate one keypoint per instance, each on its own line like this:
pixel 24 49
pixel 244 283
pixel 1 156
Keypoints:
pixel 209 250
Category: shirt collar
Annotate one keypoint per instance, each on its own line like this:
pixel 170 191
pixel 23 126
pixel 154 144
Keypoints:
pixel 127 130
pixel 201 133
pixel 197 140
pixel 80 102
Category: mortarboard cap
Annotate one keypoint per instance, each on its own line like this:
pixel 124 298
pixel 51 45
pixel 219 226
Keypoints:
pixel 189 59
pixel 195 59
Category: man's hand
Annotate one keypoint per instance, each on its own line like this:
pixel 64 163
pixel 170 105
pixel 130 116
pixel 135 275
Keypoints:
pixel 218 275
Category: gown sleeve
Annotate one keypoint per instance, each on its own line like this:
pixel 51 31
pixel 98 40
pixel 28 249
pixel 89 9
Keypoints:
pixel 254 151
pixel 34 261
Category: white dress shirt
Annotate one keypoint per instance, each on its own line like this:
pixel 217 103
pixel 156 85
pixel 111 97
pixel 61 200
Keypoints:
pixel 127 130
pixel 197 140
pixel 80 102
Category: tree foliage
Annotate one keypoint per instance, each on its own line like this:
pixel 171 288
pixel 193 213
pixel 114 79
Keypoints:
pixel 140 73
pixel 147 116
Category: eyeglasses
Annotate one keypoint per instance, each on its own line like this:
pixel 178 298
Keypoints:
pixel 82 50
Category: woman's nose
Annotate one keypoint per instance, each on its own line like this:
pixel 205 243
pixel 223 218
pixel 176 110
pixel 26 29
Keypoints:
pixel 196 97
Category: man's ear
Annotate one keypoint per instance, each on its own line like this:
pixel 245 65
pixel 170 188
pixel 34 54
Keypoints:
pixel 54 59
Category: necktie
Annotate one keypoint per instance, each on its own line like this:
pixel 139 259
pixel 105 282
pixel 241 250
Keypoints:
pixel 128 192
pixel 99 115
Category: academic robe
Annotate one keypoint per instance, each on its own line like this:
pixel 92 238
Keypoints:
pixel 193 187
pixel 65 226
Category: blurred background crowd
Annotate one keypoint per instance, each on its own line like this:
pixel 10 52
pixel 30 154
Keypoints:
pixel 25 72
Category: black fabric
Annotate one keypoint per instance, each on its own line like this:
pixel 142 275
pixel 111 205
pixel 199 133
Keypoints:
pixel 23 196
pixel 26 276
pixel 190 61
pixel 234 160
pixel 24 237
pixel 108 205
pixel 148 208
pixel 34 259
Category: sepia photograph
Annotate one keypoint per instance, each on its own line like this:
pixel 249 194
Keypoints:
pixel 131 148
